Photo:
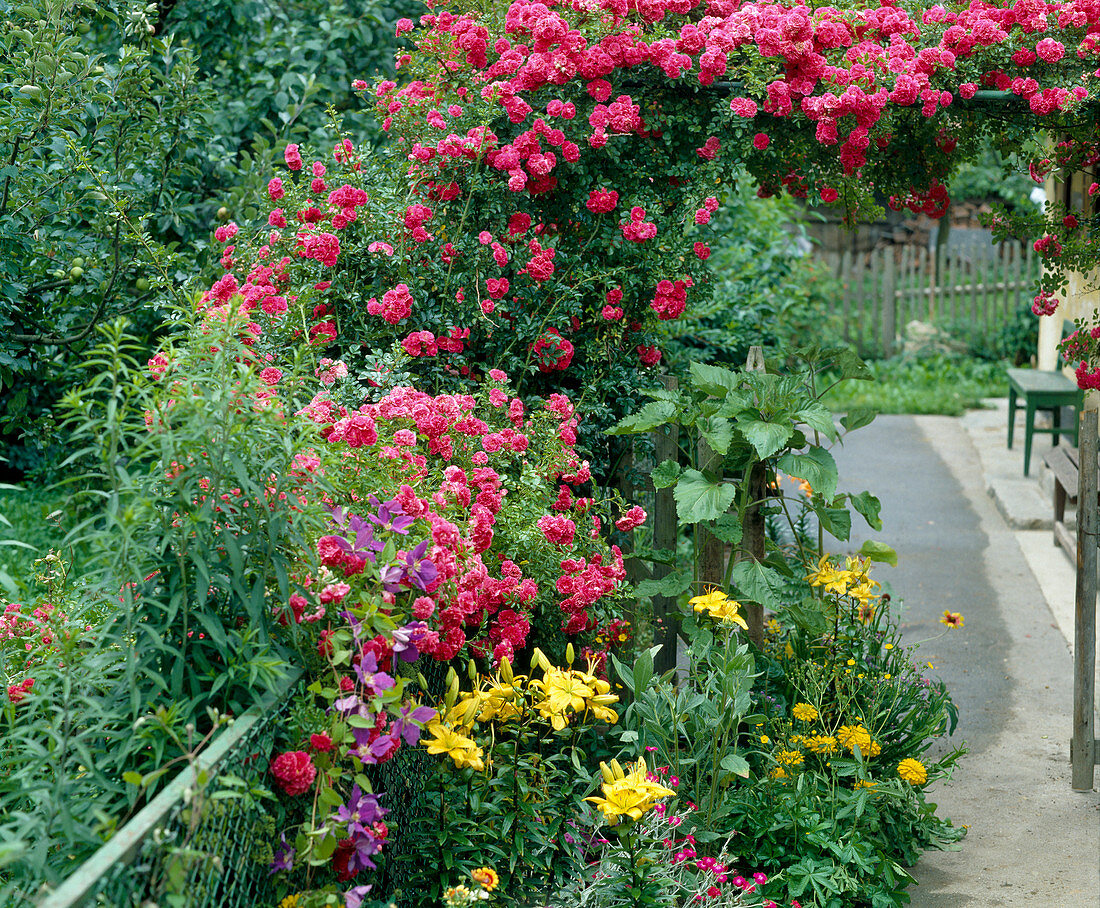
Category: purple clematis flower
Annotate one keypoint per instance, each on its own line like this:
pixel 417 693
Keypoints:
pixel 361 811
pixel 370 753
pixel 353 898
pixel 409 723
pixel 284 856
pixel 372 680
pixel 390 516
pixel 362 543
pixel 411 569
pixel 365 846
pixel 405 640
pixel 371 685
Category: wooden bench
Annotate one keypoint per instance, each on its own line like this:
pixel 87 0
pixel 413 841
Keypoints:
pixel 1042 391
pixel 1063 464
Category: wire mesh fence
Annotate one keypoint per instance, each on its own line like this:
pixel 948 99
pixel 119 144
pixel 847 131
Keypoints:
pixel 206 840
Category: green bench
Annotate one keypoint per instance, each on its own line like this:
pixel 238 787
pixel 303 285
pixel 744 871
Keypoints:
pixel 1064 466
pixel 1042 391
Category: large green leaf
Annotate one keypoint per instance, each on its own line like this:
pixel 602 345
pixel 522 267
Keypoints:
pixel 714 380
pixel 700 498
pixel 766 437
pixel 666 473
pixel 869 506
pixel 670 586
pixel 879 551
pixel 857 418
pixel 816 466
pixel 837 521
pixel 655 413
pixel 736 764
pixel 818 417
pixel 849 365
pixel 727 528
pixel 717 431
pixel 758 582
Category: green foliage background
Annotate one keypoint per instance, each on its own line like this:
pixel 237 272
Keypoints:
pixel 125 128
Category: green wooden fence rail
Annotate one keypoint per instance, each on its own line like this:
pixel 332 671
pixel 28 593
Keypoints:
pixel 187 849
pixel 158 857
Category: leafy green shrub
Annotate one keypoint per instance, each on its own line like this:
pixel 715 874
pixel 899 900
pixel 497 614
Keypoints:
pixel 942 383
pixel 766 287
pixel 846 718
pixel 124 136
pixel 100 131
pixel 171 614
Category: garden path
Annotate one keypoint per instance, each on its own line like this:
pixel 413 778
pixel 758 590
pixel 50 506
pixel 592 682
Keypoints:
pixel 1032 841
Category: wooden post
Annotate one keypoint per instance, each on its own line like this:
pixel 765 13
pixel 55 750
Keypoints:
pixel 1082 749
pixel 665 531
pixel 711 557
pixel 889 303
pixel 752 537
pixel 845 276
pixel 623 481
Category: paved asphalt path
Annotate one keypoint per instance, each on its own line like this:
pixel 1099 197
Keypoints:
pixel 1032 842
pixel 941 545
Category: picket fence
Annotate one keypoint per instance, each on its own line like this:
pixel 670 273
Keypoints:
pixel 971 293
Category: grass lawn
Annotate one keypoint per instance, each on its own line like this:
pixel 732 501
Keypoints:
pixel 28 510
pixel 938 384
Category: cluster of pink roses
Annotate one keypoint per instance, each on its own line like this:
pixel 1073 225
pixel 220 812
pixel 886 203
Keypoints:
pixel 452 465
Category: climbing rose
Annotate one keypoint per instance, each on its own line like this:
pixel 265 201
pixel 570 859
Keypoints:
pixel 557 528
pixel 743 107
pixel 294 771
pixel 631 520
pixel 602 201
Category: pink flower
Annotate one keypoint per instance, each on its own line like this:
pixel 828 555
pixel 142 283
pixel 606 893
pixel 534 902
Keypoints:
pixel 743 107
pixel 321 743
pixel 710 149
pixel 557 528
pixel 602 201
pixel 17 692
pixel 552 352
pixel 760 141
pixel 271 375
pixel 293 157
pixel 1050 50
pixel 631 520
pixel 1045 303
pixel 324 247
pixel 294 771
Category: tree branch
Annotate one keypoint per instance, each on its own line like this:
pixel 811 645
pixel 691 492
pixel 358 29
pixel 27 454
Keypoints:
pixel 7 179
pixel 101 307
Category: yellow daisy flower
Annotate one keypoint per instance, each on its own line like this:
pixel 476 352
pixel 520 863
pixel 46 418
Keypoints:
pixel 913 771
pixel 804 712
